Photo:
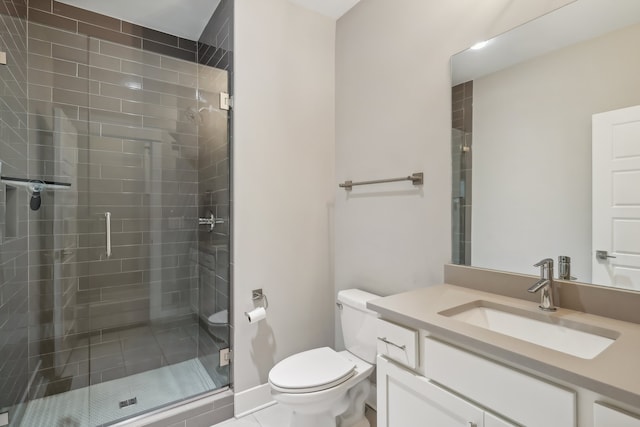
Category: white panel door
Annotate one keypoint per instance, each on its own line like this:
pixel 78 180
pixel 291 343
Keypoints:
pixel 604 416
pixel 491 420
pixel 406 399
pixel 616 198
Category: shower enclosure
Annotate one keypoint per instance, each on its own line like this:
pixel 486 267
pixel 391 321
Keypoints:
pixel 114 216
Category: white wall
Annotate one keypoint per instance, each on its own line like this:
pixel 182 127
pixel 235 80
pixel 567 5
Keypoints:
pixel 393 117
pixel 283 194
pixel 533 121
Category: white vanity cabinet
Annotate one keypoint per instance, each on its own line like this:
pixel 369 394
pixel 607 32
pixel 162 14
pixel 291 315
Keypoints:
pixel 407 399
pixel 604 416
pixel 523 398
pixel 451 379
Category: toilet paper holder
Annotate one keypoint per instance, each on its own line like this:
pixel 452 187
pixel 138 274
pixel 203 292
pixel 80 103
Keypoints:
pixel 260 302
pixel 260 298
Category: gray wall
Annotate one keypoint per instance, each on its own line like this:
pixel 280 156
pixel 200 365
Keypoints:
pixel 283 183
pixel 393 117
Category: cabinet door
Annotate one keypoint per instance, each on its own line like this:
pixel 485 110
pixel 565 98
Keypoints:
pixel 603 416
pixel 501 389
pixel 406 399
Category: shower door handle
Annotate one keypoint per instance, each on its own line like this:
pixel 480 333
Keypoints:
pixel 211 221
pixel 107 217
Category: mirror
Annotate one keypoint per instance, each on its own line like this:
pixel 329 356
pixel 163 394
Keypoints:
pixel 546 145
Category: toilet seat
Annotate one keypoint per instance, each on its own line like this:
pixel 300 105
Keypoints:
pixel 311 371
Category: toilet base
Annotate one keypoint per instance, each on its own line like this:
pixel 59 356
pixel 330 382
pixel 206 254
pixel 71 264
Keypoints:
pixel 354 415
pixel 346 410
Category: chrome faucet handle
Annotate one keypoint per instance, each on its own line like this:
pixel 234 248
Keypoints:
pixel 546 266
pixel 544 262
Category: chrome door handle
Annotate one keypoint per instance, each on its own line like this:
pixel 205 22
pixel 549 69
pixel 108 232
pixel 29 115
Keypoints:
pixel 107 217
pixel 386 341
pixel 603 255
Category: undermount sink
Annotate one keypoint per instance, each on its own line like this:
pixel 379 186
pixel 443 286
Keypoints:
pixel 574 338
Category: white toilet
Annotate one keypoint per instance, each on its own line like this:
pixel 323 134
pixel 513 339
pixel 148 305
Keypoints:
pixel 326 388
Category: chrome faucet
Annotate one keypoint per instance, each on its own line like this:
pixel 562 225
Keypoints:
pixel 545 284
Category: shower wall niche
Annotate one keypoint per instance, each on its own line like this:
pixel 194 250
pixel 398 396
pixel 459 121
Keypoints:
pixel 103 283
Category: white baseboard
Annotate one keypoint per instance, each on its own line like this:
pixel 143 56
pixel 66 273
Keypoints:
pixel 252 400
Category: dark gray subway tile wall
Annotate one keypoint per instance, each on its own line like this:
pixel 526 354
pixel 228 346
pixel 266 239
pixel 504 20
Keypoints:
pixel 76 20
pixel 462 123
pixel 215 47
pixel 215 54
pixel 14 368
pixel 114 102
pixel 136 156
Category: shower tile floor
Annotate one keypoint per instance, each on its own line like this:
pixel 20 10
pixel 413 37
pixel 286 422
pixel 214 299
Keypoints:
pixel 99 404
pixel 276 416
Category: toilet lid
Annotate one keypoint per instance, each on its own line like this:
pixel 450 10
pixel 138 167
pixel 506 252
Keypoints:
pixel 309 371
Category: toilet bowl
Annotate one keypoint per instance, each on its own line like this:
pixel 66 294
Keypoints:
pixel 326 388
pixel 218 324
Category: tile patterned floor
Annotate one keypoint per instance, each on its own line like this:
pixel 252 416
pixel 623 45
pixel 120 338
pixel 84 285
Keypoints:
pixel 98 404
pixel 275 416
pixel 105 355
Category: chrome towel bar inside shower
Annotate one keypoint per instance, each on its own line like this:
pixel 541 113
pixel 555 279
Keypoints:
pixel 416 179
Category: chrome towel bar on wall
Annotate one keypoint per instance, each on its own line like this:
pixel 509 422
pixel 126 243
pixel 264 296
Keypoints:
pixel 416 179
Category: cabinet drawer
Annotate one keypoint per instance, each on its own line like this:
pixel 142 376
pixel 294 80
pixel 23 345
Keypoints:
pixel 398 343
pixel 604 416
pixel 406 399
pixel 513 394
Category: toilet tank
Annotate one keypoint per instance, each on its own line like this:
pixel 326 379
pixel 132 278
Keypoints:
pixel 358 323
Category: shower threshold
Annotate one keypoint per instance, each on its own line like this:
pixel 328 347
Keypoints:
pixel 100 404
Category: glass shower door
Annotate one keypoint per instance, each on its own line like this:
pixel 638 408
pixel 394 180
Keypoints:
pixel 119 298
pixel 150 343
